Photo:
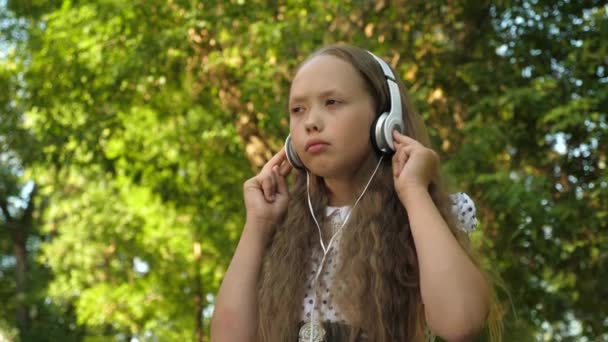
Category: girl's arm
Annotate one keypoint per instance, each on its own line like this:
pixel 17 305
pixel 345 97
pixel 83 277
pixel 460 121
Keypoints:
pixel 235 315
pixel 454 292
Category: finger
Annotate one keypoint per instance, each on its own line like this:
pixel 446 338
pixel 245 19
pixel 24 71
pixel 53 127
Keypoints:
pixel 398 162
pixel 403 139
pixel 408 150
pixel 395 165
pixel 281 182
pixel 277 159
pixel 285 168
pixel 268 187
pixel 401 157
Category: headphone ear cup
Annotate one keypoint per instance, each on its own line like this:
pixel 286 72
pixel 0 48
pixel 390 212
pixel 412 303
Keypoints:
pixel 372 135
pixel 292 156
pixel 377 134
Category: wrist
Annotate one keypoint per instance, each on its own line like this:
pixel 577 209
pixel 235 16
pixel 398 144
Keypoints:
pixel 412 192
pixel 258 228
pixel 260 222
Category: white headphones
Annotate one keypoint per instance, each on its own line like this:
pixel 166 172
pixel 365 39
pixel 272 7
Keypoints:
pixel 382 128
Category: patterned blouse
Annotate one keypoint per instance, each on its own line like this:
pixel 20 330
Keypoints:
pixel 325 308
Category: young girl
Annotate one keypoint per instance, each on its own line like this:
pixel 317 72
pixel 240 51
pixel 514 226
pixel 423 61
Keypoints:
pixel 366 246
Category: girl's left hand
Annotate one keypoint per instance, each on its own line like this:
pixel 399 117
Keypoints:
pixel 414 165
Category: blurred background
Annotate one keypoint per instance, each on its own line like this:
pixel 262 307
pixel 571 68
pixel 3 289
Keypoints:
pixel 128 127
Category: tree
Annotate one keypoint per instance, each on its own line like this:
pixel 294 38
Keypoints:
pixel 148 118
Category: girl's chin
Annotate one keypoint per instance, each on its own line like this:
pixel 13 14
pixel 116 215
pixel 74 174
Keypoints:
pixel 321 169
pixel 325 170
pixel 333 166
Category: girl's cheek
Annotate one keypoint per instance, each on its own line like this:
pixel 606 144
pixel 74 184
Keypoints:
pixel 296 121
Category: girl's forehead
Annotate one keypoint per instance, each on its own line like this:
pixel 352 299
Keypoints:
pixel 325 71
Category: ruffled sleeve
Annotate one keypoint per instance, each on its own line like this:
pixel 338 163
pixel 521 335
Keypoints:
pixel 464 209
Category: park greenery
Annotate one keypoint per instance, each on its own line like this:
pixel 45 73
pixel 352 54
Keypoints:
pixel 128 127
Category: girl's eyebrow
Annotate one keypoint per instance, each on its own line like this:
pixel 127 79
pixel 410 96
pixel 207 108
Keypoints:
pixel 324 93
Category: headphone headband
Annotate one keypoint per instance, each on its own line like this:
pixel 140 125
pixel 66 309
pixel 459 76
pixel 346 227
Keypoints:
pixel 391 120
pixel 385 68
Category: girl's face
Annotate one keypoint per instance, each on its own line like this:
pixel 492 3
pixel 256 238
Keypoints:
pixel 331 113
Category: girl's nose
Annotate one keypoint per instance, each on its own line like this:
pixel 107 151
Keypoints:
pixel 313 121
pixel 311 126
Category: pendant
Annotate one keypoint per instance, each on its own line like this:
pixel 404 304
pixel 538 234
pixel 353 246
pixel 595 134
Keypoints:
pixel 312 331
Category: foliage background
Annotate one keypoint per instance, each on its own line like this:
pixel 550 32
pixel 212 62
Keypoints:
pixel 128 127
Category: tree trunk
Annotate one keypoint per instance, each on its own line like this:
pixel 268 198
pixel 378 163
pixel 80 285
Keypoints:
pixel 19 230
pixel 21 280
pixel 198 293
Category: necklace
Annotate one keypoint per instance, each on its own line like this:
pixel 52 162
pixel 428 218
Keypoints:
pixel 313 331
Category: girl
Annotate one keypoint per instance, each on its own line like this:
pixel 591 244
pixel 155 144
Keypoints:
pixel 366 245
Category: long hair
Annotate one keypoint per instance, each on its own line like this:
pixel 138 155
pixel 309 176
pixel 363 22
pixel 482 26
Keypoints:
pixel 376 285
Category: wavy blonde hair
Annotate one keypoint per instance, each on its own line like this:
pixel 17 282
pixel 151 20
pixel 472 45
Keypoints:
pixel 378 261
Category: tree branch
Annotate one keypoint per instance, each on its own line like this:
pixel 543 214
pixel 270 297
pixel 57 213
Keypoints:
pixel 5 212
pixel 29 210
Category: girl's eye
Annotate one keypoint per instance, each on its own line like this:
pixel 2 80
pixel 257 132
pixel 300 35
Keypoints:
pixel 330 102
pixel 295 110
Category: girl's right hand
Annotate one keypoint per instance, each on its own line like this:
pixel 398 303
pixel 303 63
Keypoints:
pixel 266 194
